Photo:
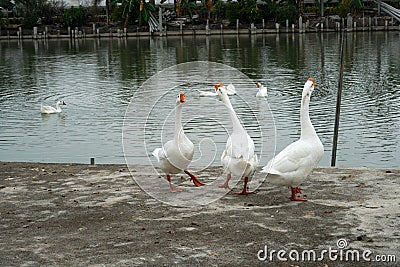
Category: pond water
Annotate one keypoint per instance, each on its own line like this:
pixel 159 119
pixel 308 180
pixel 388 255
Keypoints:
pixel 98 79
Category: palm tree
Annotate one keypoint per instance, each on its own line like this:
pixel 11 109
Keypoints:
pixel 355 6
pixel 350 6
pixel 136 7
pixel 145 9
pixel 188 7
pixel 178 8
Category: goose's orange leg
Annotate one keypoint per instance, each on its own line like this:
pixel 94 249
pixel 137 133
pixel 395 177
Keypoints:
pixel 296 190
pixel 194 179
pixel 226 185
pixel 244 191
pixel 173 188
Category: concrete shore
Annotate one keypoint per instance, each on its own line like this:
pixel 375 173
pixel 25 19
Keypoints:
pixel 119 33
pixel 83 215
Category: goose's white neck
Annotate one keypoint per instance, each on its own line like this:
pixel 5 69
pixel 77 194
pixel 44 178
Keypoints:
pixel 178 122
pixel 307 129
pixel 236 125
pixel 58 108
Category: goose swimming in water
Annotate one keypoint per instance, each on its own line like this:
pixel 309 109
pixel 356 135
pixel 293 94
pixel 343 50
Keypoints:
pixel 50 109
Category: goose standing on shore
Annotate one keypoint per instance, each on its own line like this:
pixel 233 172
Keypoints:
pixel 176 155
pixel 50 109
pixel 294 163
pixel 238 157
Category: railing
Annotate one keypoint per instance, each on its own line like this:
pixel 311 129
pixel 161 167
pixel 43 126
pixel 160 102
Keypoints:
pixel 394 12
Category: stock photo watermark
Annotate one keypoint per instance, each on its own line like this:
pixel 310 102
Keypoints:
pixel 339 253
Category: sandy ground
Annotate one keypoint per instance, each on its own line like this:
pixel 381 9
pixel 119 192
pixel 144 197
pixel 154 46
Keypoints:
pixel 82 215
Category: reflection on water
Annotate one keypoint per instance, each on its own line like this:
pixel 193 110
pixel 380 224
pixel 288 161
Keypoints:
pixel 98 78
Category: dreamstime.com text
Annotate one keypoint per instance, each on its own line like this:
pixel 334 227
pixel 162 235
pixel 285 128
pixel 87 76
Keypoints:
pixel 338 253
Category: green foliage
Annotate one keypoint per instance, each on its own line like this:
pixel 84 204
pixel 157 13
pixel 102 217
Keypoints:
pixel 15 21
pixel 233 11
pixel 331 11
pixel 269 11
pixel 355 6
pixel 51 10
pixel 313 10
pixel 29 21
pixel 350 6
pixel 287 11
pixel 251 10
pixel 138 11
pixel 220 9
pixel 117 14
pixel 188 7
pixel 144 15
pixel 343 9
pixel 244 10
pixel 131 11
pixel 74 17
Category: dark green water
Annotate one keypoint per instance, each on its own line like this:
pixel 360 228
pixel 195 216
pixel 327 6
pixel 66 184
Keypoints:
pixel 98 78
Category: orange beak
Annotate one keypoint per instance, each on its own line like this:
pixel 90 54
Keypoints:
pixel 182 97
pixel 216 85
pixel 311 79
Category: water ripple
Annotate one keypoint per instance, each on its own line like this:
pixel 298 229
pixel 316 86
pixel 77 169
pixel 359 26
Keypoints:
pixel 97 80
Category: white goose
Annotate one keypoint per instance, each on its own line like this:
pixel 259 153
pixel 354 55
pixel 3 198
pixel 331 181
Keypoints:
pixel 238 158
pixel 262 90
pixel 50 109
pixel 206 93
pixel 294 163
pixel 176 155
pixel 230 89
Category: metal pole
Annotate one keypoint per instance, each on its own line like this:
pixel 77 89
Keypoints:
pixel 322 8
pixel 160 17
pixel 338 100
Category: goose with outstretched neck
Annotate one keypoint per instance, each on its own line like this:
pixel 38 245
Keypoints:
pixel 175 155
pixel 238 158
pixel 295 162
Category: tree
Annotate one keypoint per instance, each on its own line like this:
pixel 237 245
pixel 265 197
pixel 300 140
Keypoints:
pixel 188 7
pixel 287 11
pixel 350 6
pixel 74 17
pixel 145 9
pixel 95 7
pixel 244 10
pixel 139 9
pixel 52 9
pixel 208 7
pixel 30 10
pixel 219 9
pixel 269 10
